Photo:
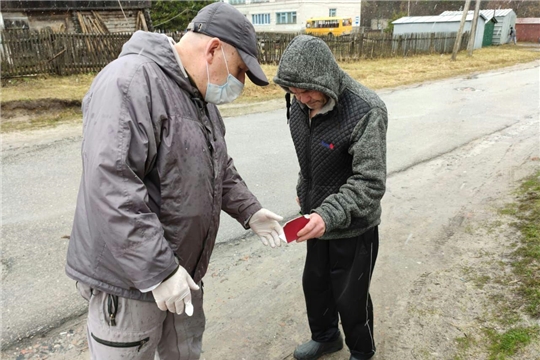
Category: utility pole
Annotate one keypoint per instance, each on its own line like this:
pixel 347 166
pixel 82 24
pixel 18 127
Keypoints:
pixel 457 44
pixel 470 45
pixel 360 18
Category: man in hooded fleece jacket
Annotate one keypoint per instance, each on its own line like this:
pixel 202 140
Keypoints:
pixel 338 128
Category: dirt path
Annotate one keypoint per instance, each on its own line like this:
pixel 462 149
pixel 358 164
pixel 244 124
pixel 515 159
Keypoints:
pixel 436 227
pixel 433 227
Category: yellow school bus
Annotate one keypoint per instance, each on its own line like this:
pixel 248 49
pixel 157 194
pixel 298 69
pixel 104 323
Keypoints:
pixel 333 26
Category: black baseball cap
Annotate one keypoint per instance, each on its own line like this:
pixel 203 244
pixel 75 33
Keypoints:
pixel 223 21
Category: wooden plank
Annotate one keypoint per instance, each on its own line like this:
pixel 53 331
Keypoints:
pixel 16 50
pixel 38 50
pixel 81 22
pixel 5 56
pixel 143 21
pixel 102 22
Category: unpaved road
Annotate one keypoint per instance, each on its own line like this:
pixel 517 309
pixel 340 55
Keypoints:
pixel 455 149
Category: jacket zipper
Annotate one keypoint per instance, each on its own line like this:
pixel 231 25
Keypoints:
pixel 139 343
pixel 308 155
pixel 204 113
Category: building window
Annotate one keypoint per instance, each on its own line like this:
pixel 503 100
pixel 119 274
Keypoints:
pixel 259 1
pixel 237 2
pixel 286 17
pixel 260 19
pixel 332 12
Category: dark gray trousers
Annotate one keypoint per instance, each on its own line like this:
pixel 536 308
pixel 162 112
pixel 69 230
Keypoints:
pixel 336 281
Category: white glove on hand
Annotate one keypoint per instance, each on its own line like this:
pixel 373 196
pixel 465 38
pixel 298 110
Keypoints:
pixel 174 292
pixel 265 224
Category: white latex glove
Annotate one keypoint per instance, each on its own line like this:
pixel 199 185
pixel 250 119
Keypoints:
pixel 265 224
pixel 175 292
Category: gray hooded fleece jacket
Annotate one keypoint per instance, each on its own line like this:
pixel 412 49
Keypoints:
pixel 342 153
pixel 156 175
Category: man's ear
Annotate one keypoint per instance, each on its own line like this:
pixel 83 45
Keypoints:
pixel 210 50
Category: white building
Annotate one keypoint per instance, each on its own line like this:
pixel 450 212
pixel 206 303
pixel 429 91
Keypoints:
pixel 291 15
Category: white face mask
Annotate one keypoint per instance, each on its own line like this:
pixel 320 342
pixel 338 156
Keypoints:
pixel 226 93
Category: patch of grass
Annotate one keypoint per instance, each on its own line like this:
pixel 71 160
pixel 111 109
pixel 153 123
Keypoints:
pixel 43 121
pixel 375 74
pixel 463 345
pixel 481 281
pixel 41 87
pixel 526 258
pixel 525 266
pixel 518 281
pixel 384 73
pixel 509 209
pixel 506 314
pixel 510 342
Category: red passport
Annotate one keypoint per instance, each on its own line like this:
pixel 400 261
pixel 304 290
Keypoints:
pixel 292 227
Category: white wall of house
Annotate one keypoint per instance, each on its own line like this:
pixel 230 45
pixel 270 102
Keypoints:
pixel 291 15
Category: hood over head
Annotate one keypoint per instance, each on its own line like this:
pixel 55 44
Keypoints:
pixel 308 63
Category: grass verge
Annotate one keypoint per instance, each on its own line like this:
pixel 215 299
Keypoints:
pixel 375 74
pixel 526 257
pixel 508 343
pixel 46 120
pixel 513 322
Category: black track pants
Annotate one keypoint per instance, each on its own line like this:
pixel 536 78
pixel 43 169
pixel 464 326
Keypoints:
pixel 336 281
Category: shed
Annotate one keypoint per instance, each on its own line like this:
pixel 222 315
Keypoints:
pixel 439 24
pixel 77 16
pixel 528 29
pixel 501 30
pixel 489 24
pixel 505 19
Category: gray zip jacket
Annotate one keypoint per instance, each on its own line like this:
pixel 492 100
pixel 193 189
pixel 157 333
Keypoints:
pixel 156 174
pixel 342 152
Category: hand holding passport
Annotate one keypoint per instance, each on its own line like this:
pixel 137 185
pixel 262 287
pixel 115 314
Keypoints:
pixel 292 227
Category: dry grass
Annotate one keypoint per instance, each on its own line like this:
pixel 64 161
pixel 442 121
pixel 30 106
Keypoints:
pixel 388 73
pixel 56 87
pixel 375 74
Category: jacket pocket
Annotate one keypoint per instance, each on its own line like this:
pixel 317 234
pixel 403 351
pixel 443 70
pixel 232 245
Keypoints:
pixel 138 344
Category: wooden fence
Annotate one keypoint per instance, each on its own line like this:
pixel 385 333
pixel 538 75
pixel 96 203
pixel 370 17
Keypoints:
pixel 365 46
pixel 45 52
pixel 24 52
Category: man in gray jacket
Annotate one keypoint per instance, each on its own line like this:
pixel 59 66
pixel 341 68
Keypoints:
pixel 338 129
pixel 156 175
